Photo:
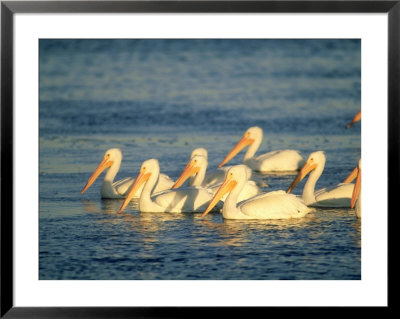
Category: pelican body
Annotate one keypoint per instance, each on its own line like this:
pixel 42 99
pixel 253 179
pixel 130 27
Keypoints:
pixel 334 196
pixel 275 161
pixel 189 199
pixel 112 161
pixel 272 205
pixel 195 170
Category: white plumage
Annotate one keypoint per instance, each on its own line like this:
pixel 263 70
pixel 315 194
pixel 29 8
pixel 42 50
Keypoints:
pixel 272 205
pixel 333 196
pixel 275 161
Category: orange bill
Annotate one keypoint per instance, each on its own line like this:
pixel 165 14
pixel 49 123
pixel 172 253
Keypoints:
pixel 140 179
pixel 190 170
pixel 351 176
pixel 356 190
pixel 356 118
pixel 226 187
pixel 105 163
pixel 239 146
pixel 308 167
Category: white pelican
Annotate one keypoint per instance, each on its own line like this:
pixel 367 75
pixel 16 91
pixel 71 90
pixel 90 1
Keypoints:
pixel 196 170
pixel 356 196
pixel 275 161
pixel 355 119
pixel 334 196
pixel 212 177
pixel 272 205
pixel 110 189
pixel 189 199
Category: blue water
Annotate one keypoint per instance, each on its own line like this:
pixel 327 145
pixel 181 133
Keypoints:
pixel 163 98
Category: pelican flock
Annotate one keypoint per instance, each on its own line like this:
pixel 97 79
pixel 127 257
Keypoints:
pixel 112 161
pixel 196 171
pixel 230 189
pixel 215 176
pixel 189 199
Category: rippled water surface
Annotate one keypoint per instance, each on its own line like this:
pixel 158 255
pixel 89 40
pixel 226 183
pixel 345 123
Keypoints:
pixel 163 98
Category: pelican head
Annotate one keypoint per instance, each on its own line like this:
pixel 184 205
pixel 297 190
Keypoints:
pixel 111 156
pixel 148 168
pixel 357 186
pixel 233 176
pixel 199 152
pixel 252 135
pixel 316 160
pixel 192 168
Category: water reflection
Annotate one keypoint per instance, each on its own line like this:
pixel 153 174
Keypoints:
pixel 89 206
pixel 357 231
pixel 226 228
pixel 106 206
pixel 280 224
pixel 227 235
pixel 241 232
pixel 137 221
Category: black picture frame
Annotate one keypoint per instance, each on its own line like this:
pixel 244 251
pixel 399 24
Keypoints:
pixel 9 8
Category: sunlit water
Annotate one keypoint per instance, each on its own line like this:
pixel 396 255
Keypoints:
pixel 161 99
